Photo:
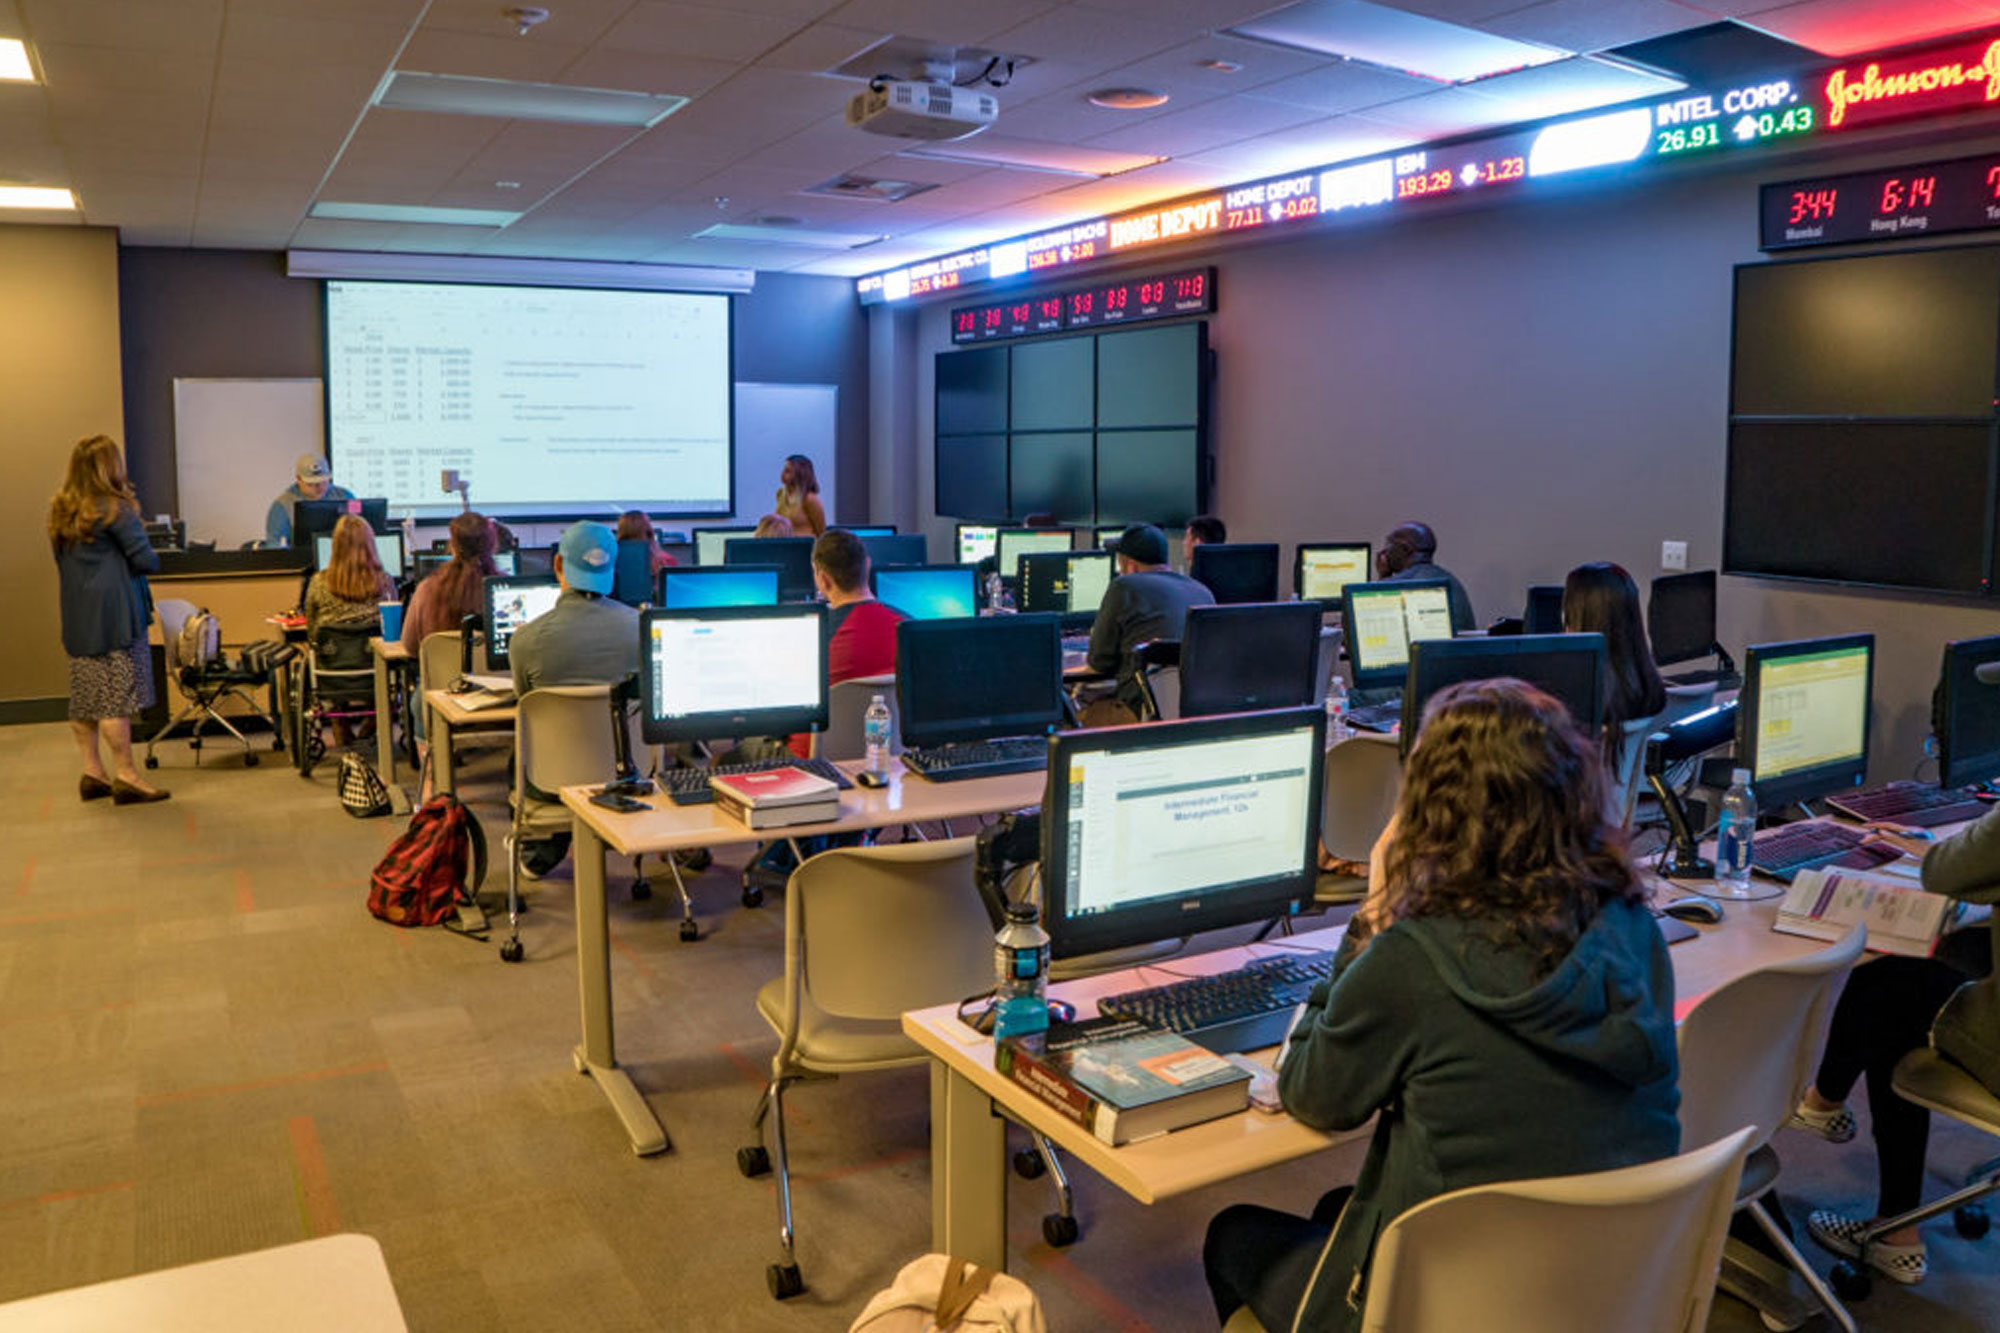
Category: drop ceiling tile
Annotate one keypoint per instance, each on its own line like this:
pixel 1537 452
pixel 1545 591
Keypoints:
pixel 126 132
pixel 1578 84
pixel 1341 86
pixel 85 72
pixel 1595 25
pixel 44 165
pixel 1190 13
pixel 190 28
pixel 1849 27
pixel 825 149
pixel 570 22
pixel 633 72
pixel 654 28
pixel 442 51
pixel 404 12
pixel 1339 139
pixel 954 21
pixel 754 108
pixel 276 170
pixel 1098 36
pixel 119 161
pixel 823 46
pixel 230 235
pixel 1183 72
pixel 1434 115
pixel 1068 116
pixel 304 42
pixel 1210 125
pixel 1472 13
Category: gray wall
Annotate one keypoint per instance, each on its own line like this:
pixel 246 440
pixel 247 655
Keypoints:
pixel 1546 382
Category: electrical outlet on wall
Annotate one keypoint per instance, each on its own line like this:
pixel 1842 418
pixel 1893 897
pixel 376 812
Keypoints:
pixel 1673 555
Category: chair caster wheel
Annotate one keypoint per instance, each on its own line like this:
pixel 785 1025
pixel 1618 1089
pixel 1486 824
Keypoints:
pixel 511 951
pixel 1850 1281
pixel 753 1162
pixel 1059 1230
pixel 642 889
pixel 690 932
pixel 1970 1220
pixel 784 1281
pixel 753 897
pixel 152 762
pixel 249 760
pixel 1028 1164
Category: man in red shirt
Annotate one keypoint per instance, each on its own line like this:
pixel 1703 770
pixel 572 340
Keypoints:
pixel 862 631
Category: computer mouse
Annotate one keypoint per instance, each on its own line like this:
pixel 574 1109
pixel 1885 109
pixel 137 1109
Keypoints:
pixel 872 778
pixel 1696 908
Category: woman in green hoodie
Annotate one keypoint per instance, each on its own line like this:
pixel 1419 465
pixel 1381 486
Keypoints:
pixel 1503 1004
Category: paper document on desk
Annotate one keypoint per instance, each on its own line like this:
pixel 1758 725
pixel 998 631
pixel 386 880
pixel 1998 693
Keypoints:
pixel 1824 904
pixel 493 683
pixel 473 701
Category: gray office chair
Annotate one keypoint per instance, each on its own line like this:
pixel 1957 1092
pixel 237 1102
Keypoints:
pixel 847 703
pixel 1623 784
pixel 1364 776
pixel 1326 662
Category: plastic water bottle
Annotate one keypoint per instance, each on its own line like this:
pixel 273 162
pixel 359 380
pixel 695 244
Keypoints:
pixel 1336 709
pixel 1734 835
pixel 994 592
pixel 1020 973
pixel 875 732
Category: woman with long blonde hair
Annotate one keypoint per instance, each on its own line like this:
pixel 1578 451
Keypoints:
pixel 798 497
pixel 349 592
pixel 102 558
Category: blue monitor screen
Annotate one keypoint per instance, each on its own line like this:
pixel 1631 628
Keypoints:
pixel 740 585
pixel 932 593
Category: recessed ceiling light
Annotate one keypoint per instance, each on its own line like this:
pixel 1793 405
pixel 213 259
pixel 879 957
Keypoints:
pixel 1035 155
pixel 453 94
pixel 1220 66
pixel 778 220
pixel 506 185
pixel 450 217
pixel 789 233
pixel 1393 39
pixel 1127 99
pixel 35 196
pixel 14 66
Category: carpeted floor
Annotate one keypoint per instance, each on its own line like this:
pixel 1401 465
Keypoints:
pixel 208 1046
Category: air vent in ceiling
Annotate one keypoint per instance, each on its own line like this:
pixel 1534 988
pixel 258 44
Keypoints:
pixel 869 189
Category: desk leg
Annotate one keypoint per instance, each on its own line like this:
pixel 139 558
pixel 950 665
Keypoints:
pixel 444 776
pixel 597 1056
pixel 385 739
pixel 968 1171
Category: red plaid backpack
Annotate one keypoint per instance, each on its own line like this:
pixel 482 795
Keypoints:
pixel 422 878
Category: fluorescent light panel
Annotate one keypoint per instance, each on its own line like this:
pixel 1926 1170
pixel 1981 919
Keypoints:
pixel 453 94
pixel 819 240
pixel 418 213
pixel 35 196
pixel 1393 39
pixel 14 66
pixel 1033 155
pixel 1582 83
pixel 378 266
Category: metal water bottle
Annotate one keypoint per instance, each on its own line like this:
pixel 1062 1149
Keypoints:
pixel 1021 973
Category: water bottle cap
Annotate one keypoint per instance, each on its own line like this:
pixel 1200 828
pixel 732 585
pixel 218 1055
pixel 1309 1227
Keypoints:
pixel 1023 912
pixel 1739 777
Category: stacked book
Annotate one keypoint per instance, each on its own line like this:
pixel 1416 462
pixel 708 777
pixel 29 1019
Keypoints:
pixel 776 797
pixel 1889 900
pixel 1123 1079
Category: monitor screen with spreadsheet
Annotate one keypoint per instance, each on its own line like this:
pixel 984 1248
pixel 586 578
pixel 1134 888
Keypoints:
pixel 975 678
pixel 1802 728
pixel 732 671
pixel 388 549
pixel 977 541
pixel 1322 569
pixel 1382 620
pixel 1013 543
pixel 1968 724
pixel 731 585
pixel 1159 831
pixel 510 604
pixel 927 592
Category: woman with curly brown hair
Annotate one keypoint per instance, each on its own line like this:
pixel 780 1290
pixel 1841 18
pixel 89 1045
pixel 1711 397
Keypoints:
pixel 1503 1002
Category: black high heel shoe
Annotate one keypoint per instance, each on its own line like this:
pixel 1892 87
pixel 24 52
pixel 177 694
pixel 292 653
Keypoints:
pixel 125 793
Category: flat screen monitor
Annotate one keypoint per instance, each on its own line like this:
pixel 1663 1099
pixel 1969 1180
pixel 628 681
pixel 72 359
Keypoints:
pixel 972 679
pixel 1680 616
pixel 708 543
pixel 1013 543
pixel 312 517
pixel 682 589
pixel 1158 832
pixel 1321 569
pixel 732 671
pixel 1968 728
pixel 1802 727
pixel 792 555
pixel 1069 583
pixel 1237 571
pixel 928 592
pixel 1104 538
pixel 1544 611
pixel 871 530
pixel 1382 620
pixel 976 542
pixel 512 602
pixel 890 548
pixel 1569 667
pixel 532 559
pixel 1087 580
pixel 426 563
pixel 388 549
pixel 1248 656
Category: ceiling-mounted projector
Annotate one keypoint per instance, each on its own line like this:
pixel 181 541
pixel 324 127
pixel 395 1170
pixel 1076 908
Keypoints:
pixel 913 110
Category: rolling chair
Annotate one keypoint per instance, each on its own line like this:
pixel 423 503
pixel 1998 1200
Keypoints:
pixel 1364 776
pixel 337 684
pixel 1156 666
pixel 1622 799
pixel 438 658
pixel 870 932
pixel 1634 1249
pixel 1326 662
pixel 846 704
pixel 204 686
pixel 1747 1052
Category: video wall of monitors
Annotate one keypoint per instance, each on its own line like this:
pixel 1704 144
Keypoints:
pixel 1101 428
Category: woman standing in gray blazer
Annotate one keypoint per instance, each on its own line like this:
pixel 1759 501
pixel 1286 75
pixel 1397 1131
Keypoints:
pixel 103 557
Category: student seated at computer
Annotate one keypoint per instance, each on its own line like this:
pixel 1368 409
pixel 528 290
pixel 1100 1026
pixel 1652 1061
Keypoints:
pixel 452 591
pixel 1601 598
pixel 640 558
pixel 1410 552
pixel 1147 600
pixel 861 632
pixel 349 592
pixel 312 479
pixel 1503 1001
pixel 1891 1006
pixel 1201 530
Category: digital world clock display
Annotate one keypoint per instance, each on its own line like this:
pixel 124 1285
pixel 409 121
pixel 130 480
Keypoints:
pixel 1167 296
pixel 1886 205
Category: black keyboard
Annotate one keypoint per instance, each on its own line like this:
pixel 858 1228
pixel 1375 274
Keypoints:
pixel 1724 680
pixel 1384 716
pixel 689 786
pixel 978 759
pixel 1783 852
pixel 1917 804
pixel 1244 1010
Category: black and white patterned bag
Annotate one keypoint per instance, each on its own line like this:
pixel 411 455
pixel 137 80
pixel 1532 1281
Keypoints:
pixel 362 791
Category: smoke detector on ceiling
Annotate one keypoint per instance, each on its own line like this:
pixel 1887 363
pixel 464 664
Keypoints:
pixel 525 18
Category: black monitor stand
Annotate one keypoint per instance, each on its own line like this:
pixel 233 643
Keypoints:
pixel 628 781
pixel 468 634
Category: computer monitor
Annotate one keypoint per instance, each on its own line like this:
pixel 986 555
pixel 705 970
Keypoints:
pixel 1089 578
pixel 975 678
pixel 1248 656
pixel 732 671
pixel 1544 611
pixel 928 592
pixel 1568 666
pixel 683 589
pixel 708 543
pixel 871 530
pixel 1382 620
pixel 1069 583
pixel 531 559
pixel 510 604
pixel 1680 616
pixel 1237 571
pixel 388 549
pixel 1104 539
pixel 976 542
pixel 1013 543
pixel 792 555
pixel 893 548
pixel 1802 728
pixel 1968 725
pixel 425 563
pixel 1161 831
pixel 1321 569
pixel 312 517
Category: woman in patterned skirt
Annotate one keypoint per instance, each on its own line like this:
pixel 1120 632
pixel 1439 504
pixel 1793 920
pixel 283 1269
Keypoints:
pixel 102 556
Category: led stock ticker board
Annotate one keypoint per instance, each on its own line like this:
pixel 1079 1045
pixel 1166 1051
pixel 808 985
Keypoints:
pixel 1168 296
pixel 1886 205
pixel 1941 79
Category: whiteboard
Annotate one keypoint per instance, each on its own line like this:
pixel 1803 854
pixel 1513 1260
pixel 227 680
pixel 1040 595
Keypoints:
pixel 234 445
pixel 773 420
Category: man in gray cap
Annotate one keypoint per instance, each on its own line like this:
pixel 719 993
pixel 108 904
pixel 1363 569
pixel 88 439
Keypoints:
pixel 1147 600
pixel 314 481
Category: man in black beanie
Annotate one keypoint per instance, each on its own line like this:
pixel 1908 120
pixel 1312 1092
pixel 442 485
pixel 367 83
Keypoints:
pixel 1147 600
